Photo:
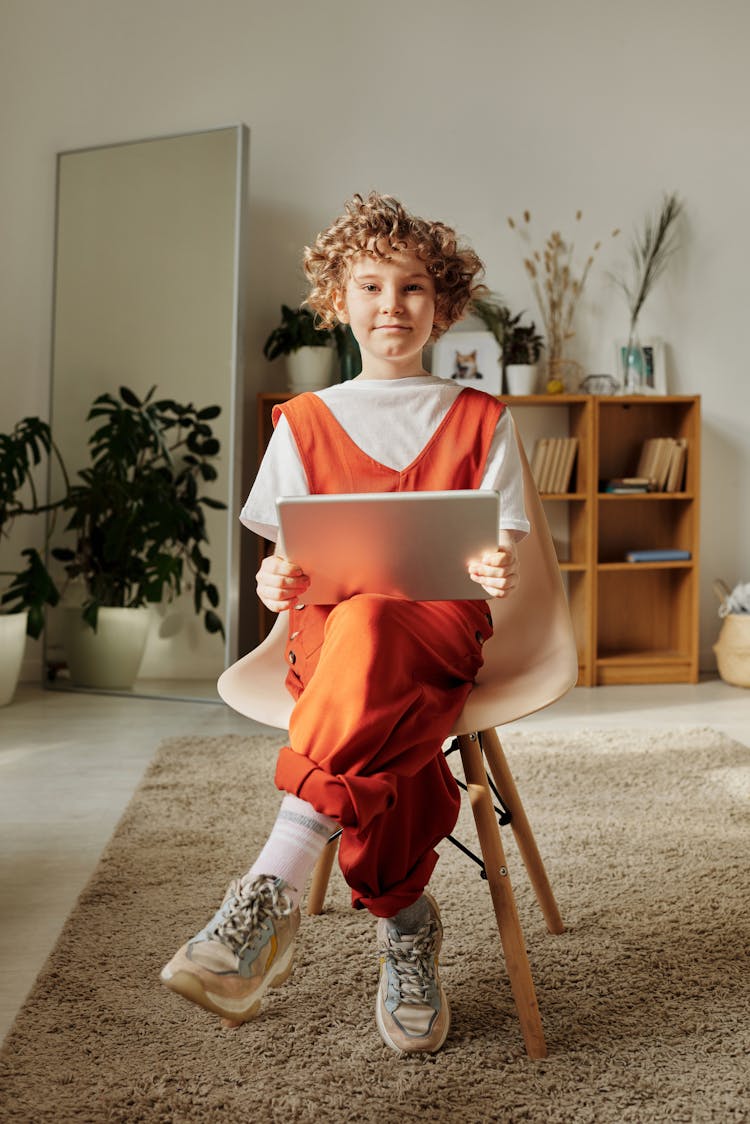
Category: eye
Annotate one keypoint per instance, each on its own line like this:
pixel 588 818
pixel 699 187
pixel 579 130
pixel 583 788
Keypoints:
pixel 370 287
pixel 414 287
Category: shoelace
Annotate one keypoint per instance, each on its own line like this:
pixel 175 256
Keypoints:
pixel 413 956
pixel 248 909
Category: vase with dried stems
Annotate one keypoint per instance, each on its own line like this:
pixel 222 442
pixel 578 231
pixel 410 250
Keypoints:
pixel 557 285
pixel 650 251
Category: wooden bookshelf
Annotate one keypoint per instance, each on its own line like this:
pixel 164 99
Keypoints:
pixel 634 622
pixel 646 613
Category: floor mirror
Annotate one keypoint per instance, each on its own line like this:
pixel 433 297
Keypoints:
pixel 148 291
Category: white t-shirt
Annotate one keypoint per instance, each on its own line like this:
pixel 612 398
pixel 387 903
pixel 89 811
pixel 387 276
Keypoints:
pixel 391 420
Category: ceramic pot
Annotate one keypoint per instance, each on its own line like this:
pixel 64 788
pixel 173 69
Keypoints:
pixel 12 647
pixel 110 657
pixel 310 368
pixel 521 378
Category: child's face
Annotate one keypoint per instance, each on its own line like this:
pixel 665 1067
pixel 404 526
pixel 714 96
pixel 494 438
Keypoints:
pixel 390 306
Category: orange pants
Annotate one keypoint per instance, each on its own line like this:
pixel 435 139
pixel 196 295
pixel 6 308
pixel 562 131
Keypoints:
pixel 378 683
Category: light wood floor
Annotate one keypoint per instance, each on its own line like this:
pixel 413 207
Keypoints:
pixel 69 763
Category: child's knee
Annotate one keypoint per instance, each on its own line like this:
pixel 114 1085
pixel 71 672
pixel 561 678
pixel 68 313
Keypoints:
pixel 368 612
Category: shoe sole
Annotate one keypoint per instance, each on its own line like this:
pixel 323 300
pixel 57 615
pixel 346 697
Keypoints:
pixel 192 988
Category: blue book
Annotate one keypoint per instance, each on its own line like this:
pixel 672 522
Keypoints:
pixel 666 555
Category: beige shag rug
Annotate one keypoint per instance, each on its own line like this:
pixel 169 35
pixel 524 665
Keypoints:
pixel 645 999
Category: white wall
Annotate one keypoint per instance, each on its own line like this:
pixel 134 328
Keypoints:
pixel 469 111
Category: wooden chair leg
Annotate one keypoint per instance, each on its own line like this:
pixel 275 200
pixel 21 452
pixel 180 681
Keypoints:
pixel 524 836
pixel 503 901
pixel 316 899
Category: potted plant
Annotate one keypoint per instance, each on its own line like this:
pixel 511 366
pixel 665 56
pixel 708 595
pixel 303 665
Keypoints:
pixel 521 345
pixel 308 348
pixel 137 515
pixel 522 349
pixel 494 314
pixel 30 588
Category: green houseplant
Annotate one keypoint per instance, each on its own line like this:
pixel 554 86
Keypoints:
pixel 23 451
pixel 494 314
pixel 137 511
pixel 521 344
pixel 308 349
pixel 521 353
pixel 298 328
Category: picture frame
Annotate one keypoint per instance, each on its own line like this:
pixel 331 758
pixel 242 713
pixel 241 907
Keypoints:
pixel 470 359
pixel 656 375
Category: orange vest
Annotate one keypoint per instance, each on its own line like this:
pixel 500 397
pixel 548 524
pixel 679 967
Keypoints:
pixel 454 457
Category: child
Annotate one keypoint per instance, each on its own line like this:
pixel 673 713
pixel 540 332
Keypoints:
pixel 378 681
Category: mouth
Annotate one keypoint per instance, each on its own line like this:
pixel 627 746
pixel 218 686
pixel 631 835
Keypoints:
pixel 392 328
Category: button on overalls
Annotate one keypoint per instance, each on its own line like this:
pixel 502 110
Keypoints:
pixel 379 681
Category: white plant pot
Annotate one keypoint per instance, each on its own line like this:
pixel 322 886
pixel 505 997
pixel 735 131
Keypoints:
pixel 110 657
pixel 522 378
pixel 310 368
pixel 12 647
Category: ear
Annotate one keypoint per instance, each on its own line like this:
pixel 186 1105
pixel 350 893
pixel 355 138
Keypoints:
pixel 339 306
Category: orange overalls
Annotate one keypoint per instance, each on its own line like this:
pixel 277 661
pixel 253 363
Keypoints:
pixel 379 681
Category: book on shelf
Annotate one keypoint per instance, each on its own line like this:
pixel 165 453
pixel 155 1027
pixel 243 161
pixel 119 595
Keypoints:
pixel 662 461
pixel 552 463
pixel 538 461
pixel 568 463
pixel 626 485
pixel 666 554
pixel 676 474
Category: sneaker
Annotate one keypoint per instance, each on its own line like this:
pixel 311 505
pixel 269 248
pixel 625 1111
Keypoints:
pixel 246 947
pixel 411 1010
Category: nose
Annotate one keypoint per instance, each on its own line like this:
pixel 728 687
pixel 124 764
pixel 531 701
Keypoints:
pixel 391 300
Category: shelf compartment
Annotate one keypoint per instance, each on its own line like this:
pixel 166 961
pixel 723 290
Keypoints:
pixel 637 524
pixel 646 623
pixel 546 415
pixel 624 425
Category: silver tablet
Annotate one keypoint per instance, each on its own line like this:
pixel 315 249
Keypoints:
pixel 405 544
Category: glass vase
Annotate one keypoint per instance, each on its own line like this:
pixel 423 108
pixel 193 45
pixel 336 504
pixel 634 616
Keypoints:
pixel 633 371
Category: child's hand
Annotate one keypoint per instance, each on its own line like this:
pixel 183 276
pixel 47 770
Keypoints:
pixel 497 571
pixel 280 582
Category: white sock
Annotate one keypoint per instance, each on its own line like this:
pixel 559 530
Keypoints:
pixel 294 845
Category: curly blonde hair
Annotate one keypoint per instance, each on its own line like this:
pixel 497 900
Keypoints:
pixel 366 227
